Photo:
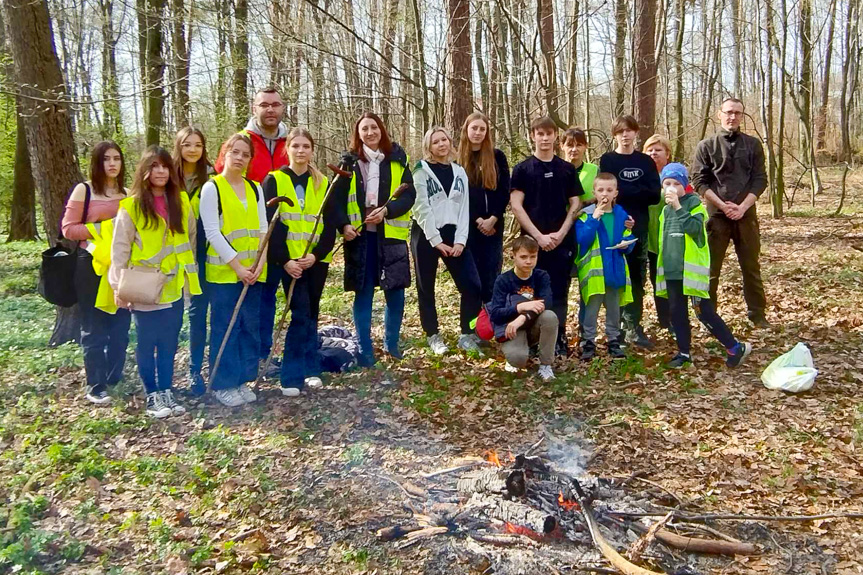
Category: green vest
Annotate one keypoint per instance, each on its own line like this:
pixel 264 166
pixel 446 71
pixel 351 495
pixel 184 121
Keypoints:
pixel 696 261
pixel 171 253
pixel 591 274
pixel 586 176
pixel 394 228
pixel 241 228
pixel 301 221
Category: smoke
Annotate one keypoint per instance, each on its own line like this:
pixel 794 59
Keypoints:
pixel 567 456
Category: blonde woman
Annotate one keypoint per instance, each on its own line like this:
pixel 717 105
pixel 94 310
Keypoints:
pixel 440 230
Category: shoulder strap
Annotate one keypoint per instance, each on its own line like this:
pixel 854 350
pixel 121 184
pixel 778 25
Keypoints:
pixel 87 194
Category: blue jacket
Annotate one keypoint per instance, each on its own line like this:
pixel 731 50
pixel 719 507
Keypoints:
pixel 613 263
pixel 509 291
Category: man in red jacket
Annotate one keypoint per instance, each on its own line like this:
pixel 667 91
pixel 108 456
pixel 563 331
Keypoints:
pixel 267 132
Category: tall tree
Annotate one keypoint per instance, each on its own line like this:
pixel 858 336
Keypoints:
pixel 240 61
pixel 151 15
pixel 821 119
pixel 22 224
pixel 460 92
pixel 387 102
pixel 619 57
pixel 572 74
pixel 112 126
pixel 180 68
pixel 545 25
pixel 46 122
pixel 679 134
pixel 645 66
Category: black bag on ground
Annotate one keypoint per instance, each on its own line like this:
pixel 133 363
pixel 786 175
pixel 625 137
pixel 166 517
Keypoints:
pixel 57 271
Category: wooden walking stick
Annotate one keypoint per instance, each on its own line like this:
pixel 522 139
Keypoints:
pixel 261 249
pixel 398 191
pixel 340 173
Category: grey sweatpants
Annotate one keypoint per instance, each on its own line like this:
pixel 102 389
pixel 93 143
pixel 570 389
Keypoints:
pixel 543 330
pixel 611 299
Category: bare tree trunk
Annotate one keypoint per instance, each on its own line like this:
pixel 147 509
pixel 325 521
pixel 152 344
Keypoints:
pixel 240 61
pixel 155 70
pixel 479 58
pixel 778 205
pixel 572 103
pixel 821 119
pixel 224 21
pixel 112 126
pixel 391 12
pixel 680 137
pixel 46 122
pixel 22 225
pixel 737 88
pixel 805 90
pixel 545 25
pixel 460 92
pixel 850 68
pixel 645 66
pixel 420 47
pixel 180 87
pixel 619 57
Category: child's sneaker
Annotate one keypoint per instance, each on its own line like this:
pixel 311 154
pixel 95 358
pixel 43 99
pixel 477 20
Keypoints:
pixel 156 407
pixel 679 360
pixel 230 397
pixel 738 354
pixel 588 350
pixel 314 382
pixel 98 395
pixel 546 373
pixel 466 342
pixel 437 345
pixel 508 367
pixel 169 401
pixel 614 350
pixel 247 394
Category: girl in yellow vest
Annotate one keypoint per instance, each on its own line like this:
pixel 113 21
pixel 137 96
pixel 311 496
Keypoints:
pixel 683 268
pixel 155 228
pixel 234 218
pixel 193 171
pixel 306 187
pixel 376 237
pixel 87 219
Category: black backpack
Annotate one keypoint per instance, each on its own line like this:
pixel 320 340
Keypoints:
pixel 57 271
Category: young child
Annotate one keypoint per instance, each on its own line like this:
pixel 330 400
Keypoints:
pixel 683 268
pixel 603 273
pixel 520 310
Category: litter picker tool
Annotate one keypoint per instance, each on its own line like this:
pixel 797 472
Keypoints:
pixel 398 191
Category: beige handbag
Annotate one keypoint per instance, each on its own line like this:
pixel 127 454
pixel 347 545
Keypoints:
pixel 142 285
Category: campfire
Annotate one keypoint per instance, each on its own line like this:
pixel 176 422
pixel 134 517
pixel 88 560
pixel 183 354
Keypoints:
pixel 540 502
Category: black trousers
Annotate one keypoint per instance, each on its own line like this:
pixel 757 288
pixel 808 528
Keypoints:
pixel 104 336
pixel 488 256
pixel 558 264
pixel 637 262
pixel 704 310
pixel 662 313
pixel 463 272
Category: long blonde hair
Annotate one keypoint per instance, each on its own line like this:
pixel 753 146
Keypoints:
pixel 427 140
pixel 484 172
pixel 317 176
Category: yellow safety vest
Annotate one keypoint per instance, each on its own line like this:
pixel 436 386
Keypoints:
pixel 300 221
pixel 241 228
pixel 100 248
pixel 696 261
pixel 586 176
pixel 394 228
pixel 591 274
pixel 169 252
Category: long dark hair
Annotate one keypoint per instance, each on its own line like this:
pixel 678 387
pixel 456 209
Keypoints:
pixel 385 146
pixel 143 193
pixel 97 167
pixel 203 166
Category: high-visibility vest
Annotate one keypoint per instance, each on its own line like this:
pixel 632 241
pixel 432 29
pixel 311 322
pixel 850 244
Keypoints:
pixel 591 274
pixel 169 252
pixel 696 261
pixel 300 221
pixel 99 247
pixel 394 228
pixel 586 176
pixel 195 201
pixel 241 228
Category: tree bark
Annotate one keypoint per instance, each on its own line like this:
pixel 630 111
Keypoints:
pixel 821 119
pixel 545 24
pixel 180 86
pixel 572 88
pixel 154 65
pixel 619 57
pixel 112 127
pixel 391 13
pixel 645 66
pixel 240 61
pixel 680 137
pixel 460 92
pixel 223 30
pixel 23 219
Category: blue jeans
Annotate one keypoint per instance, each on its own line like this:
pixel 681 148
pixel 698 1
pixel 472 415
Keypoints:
pixel 239 362
pixel 269 289
pixel 300 357
pixel 158 333
pixel 363 299
pixel 198 306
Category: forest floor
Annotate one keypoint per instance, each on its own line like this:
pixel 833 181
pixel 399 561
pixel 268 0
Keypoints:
pixel 108 490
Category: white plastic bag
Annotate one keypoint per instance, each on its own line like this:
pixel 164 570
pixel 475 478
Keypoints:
pixel 792 371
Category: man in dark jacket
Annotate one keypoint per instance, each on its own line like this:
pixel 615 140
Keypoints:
pixel 728 171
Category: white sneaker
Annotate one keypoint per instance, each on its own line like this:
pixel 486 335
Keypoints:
pixel 437 345
pixel 230 397
pixel 99 397
pixel 314 382
pixel 156 407
pixel 466 342
pixel 290 391
pixel 510 368
pixel 247 394
pixel 171 403
pixel 546 373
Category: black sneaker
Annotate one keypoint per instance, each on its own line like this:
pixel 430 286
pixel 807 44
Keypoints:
pixel 396 354
pixel 614 350
pixel 738 354
pixel 679 360
pixel 561 348
pixel 197 386
pixel 98 395
pixel 273 370
pixel 366 360
pixel 588 350
pixel 637 337
pixel 760 321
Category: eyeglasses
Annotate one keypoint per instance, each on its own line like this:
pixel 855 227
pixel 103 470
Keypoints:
pixel 267 105
pixel 732 113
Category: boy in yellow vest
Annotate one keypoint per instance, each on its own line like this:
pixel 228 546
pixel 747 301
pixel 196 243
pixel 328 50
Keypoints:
pixel 683 268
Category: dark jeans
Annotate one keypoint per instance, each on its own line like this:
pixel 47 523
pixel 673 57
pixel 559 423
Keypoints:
pixel 104 336
pixel 558 264
pixel 488 256
pixel 678 303
pixel 158 332
pixel 662 313
pixel 239 362
pixel 637 262
pixel 463 272
pixel 269 289
pixel 747 243
pixel 300 357
pixel 198 307
pixel 363 299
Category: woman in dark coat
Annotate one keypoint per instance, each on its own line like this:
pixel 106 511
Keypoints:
pixel 376 236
